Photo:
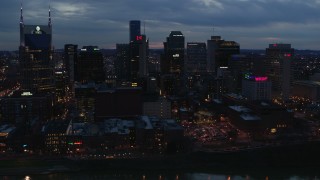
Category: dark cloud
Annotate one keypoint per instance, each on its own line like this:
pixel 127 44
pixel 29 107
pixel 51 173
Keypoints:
pixel 253 23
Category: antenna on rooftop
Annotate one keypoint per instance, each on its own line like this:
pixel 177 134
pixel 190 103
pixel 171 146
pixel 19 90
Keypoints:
pixel 21 14
pixel 144 27
pixel 49 23
pixel 213 30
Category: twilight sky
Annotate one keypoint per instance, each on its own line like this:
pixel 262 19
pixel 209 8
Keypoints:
pixel 252 23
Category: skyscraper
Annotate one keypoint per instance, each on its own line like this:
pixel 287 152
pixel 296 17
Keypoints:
pixel 134 30
pixel 138 58
pixel 36 57
pixel 219 52
pixel 121 61
pixel 173 59
pixel 278 64
pixel 89 66
pixel 138 49
pixel 196 57
pixel 70 57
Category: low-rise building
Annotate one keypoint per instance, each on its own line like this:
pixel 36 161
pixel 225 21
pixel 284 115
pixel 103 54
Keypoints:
pixel 307 89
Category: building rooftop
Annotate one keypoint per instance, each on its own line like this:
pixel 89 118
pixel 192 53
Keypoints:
pixel 218 101
pixel 249 117
pixel 308 83
pixel 118 126
pixel 6 130
pixel 56 127
pixel 235 96
pixel 147 122
pixel 240 109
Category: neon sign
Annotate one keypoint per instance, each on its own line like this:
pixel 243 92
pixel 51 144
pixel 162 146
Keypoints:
pixel 259 79
pixel 139 38
pixel 256 78
pixel 287 55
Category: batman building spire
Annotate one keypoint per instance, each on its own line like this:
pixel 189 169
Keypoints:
pixel 49 23
pixel 36 57
pixel 21 16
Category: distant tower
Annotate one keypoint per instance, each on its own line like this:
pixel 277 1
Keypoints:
pixel 196 61
pixel 21 25
pixel 219 52
pixel 49 22
pixel 279 68
pixel 121 63
pixel 134 29
pixel 36 57
pixel 138 49
pixel 70 57
pixel 173 59
pixel 89 65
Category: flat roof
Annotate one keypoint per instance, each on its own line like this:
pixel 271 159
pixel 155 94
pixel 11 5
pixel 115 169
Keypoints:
pixel 250 117
pixel 119 126
pixel 147 121
pixel 308 83
pixel 240 108
pixel 217 101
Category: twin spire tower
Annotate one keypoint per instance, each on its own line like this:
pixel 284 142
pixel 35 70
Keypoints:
pixel 36 57
pixel 21 16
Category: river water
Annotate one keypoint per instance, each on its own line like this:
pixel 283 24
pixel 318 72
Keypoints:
pixel 278 174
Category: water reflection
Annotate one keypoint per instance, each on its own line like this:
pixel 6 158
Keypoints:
pixel 168 175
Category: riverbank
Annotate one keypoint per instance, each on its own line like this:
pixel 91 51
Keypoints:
pixel 305 156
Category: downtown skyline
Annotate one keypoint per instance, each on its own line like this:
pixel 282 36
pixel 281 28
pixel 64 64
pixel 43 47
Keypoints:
pixel 252 23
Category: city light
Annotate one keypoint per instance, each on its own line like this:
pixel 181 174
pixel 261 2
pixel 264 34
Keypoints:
pixel 261 78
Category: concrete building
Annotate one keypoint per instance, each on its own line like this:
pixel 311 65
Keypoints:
pixel 173 59
pixel 307 89
pixel 27 110
pixel 160 108
pixel 138 64
pixel 196 61
pixel 279 68
pixel 89 66
pixel 256 87
pixel 121 63
pixel 55 137
pixel 70 57
pixel 118 102
pixel 219 52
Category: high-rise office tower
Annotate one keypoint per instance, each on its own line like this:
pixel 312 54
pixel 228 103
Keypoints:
pixel 89 66
pixel 36 57
pixel 138 58
pixel 134 30
pixel 212 46
pixel 121 63
pixel 70 57
pixel 138 49
pixel 219 52
pixel 173 58
pixel 196 61
pixel 278 63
